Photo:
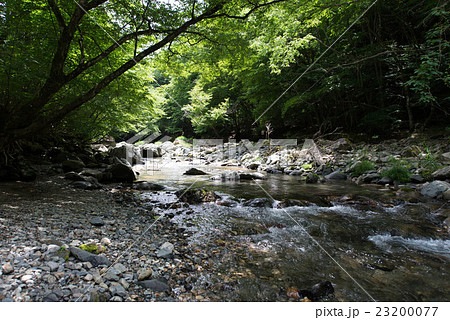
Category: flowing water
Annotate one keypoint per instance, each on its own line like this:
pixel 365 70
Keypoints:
pixel 369 244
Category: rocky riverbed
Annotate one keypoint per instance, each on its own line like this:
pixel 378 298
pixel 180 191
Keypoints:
pixel 144 257
pixel 77 234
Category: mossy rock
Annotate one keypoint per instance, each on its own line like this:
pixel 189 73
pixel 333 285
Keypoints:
pixel 92 248
pixel 195 196
pixel 63 252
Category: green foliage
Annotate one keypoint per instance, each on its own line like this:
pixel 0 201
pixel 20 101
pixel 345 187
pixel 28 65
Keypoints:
pixel 428 163
pixel 362 167
pixel 398 172
pixel 205 116
pixel 307 166
pixel 182 138
pixel 434 62
pixel 222 74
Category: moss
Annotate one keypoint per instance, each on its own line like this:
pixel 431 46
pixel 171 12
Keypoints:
pixel 92 248
pixel 307 166
pixel 63 252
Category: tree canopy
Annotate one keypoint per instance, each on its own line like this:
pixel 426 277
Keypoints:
pixel 222 67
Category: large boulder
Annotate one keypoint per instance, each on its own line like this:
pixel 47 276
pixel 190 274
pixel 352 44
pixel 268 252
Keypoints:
pixel 441 174
pixel 121 171
pixel 252 176
pixel 151 150
pixel 336 175
pixel 435 189
pixel 194 172
pixel 168 146
pixel 126 151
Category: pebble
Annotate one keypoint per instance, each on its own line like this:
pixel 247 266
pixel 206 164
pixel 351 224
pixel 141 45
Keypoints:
pixel 98 222
pixel 26 277
pixel 7 268
pixel 117 289
pixel 52 248
pixel 105 241
pixel 88 277
pixel 53 265
pixel 145 274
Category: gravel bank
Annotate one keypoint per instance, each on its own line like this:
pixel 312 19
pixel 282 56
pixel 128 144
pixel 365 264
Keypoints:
pixel 42 222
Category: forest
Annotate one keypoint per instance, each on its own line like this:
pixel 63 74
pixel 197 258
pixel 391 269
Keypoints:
pixel 222 68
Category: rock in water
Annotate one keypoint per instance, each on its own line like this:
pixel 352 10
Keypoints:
pixel 194 172
pixel 85 256
pixel 435 189
pixel 336 175
pixel 312 178
pixel 292 202
pixel 145 185
pixel 252 176
pixel 259 202
pixel 323 289
pixel 318 291
pixel 195 196
pixel 154 285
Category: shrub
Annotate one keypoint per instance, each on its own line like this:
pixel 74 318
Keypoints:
pixel 398 172
pixel 362 167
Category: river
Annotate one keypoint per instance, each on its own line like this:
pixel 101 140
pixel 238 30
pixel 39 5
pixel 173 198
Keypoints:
pixel 367 242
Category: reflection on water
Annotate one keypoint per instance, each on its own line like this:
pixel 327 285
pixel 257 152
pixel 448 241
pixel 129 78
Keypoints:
pixel 397 252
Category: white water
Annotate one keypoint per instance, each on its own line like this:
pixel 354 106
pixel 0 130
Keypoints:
pixel 390 243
